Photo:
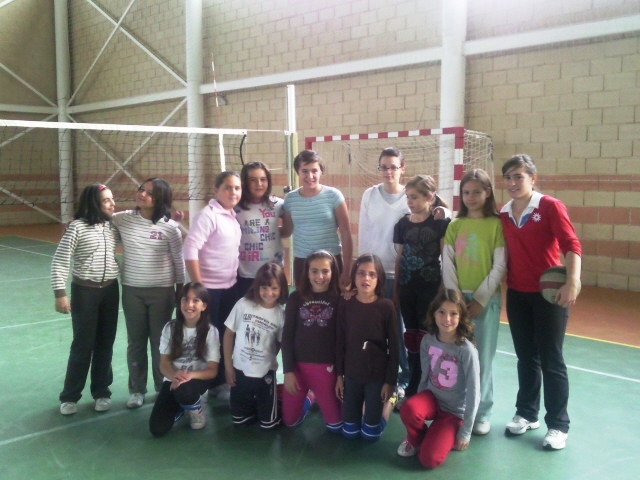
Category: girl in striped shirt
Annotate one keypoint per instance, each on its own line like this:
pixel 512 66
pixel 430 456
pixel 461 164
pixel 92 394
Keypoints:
pixel 152 273
pixel 316 213
pixel 89 241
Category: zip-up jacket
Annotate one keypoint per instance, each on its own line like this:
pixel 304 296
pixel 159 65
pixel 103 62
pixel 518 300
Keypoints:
pixel 92 248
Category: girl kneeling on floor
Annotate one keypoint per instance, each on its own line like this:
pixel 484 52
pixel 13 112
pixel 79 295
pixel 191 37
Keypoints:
pixel 366 352
pixel 449 392
pixel 252 338
pixel 309 344
pixel 189 357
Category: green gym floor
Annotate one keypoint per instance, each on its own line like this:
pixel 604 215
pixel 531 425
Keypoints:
pixel 36 442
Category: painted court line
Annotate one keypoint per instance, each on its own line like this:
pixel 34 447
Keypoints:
pixel 575 335
pixel 34 323
pixel 43 321
pixel 65 427
pixel 595 372
pixel 24 279
pixel 28 251
pixel 122 412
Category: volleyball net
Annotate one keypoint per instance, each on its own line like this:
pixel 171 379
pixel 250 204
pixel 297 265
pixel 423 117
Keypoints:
pixel 44 165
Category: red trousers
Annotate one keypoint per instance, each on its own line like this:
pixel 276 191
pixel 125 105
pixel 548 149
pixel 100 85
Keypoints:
pixel 435 442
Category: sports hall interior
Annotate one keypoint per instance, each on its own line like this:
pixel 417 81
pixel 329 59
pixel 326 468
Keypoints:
pixel 557 80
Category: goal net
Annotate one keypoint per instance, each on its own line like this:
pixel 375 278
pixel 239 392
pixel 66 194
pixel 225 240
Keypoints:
pixel 351 160
pixel 44 165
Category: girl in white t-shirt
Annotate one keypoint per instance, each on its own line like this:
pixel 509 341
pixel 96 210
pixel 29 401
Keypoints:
pixel 189 357
pixel 253 337
pixel 258 213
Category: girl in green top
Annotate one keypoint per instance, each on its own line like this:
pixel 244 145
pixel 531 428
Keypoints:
pixel 474 263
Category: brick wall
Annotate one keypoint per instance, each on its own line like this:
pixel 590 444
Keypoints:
pixel 575 111
pixel 26 48
pixel 251 38
pixel 574 108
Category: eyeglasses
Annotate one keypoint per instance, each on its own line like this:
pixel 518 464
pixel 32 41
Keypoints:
pixel 384 168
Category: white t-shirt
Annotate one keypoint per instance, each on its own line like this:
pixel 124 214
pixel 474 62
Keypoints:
pixel 257 330
pixel 260 241
pixel 378 217
pixel 188 360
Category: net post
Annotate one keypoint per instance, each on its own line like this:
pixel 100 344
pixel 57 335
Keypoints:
pixel 291 140
pixel 445 168
pixel 223 162
pixel 195 169
pixel 452 93
pixel 195 104
pixel 291 130
pixel 63 80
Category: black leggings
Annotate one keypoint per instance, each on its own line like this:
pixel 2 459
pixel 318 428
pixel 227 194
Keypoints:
pixel 169 402
pixel 415 299
pixel 221 302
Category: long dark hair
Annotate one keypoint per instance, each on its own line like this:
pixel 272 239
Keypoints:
pixel 490 209
pixel 202 326
pixel 264 276
pixel 244 180
pixel 382 278
pixel 465 327
pixel 162 197
pixel 90 206
pixel 304 285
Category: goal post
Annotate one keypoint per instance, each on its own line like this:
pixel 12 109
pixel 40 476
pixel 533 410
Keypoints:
pixel 351 161
pixel 44 165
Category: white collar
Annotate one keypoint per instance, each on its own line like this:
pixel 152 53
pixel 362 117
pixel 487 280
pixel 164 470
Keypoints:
pixel 534 203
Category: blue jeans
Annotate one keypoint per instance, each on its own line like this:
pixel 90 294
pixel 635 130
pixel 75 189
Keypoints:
pixel 404 374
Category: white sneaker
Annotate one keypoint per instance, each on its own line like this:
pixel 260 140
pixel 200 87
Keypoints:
pixel 406 449
pixel 68 408
pixel 135 400
pixel 196 418
pixel 102 404
pixel 519 425
pixel 481 427
pixel 554 440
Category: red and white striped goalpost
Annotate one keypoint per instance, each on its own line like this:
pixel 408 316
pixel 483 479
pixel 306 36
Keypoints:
pixel 445 177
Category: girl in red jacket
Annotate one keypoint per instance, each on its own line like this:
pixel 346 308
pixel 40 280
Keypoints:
pixel 536 229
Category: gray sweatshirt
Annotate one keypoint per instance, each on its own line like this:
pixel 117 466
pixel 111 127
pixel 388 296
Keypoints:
pixel 452 373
